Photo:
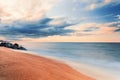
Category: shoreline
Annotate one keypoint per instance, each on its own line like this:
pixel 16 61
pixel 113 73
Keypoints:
pixel 20 66
pixel 99 73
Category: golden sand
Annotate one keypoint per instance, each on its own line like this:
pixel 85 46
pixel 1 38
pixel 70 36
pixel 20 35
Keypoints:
pixel 21 66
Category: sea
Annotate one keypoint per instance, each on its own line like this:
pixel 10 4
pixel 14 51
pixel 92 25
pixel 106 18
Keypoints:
pixel 100 60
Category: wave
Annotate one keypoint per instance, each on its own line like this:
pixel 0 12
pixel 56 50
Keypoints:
pixel 95 71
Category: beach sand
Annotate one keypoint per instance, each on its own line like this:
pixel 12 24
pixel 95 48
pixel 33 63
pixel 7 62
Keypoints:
pixel 21 66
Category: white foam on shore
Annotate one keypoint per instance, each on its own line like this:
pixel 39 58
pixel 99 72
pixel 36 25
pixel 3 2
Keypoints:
pixel 96 72
pixel 90 70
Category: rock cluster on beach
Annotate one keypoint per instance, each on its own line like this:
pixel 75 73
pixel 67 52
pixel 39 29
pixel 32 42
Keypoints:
pixel 10 45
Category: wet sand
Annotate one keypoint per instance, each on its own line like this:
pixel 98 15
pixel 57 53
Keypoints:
pixel 21 66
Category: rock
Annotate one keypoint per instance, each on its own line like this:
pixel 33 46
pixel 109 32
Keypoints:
pixel 10 45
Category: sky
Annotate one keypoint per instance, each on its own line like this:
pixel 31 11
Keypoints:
pixel 60 20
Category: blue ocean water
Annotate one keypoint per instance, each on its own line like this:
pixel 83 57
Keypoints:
pixel 105 55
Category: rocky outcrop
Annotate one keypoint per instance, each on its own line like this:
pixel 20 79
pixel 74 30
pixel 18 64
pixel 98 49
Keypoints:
pixel 10 45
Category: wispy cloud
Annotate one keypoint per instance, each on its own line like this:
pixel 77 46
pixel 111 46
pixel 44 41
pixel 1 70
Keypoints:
pixel 118 17
pixel 26 10
pixel 95 28
pixel 93 4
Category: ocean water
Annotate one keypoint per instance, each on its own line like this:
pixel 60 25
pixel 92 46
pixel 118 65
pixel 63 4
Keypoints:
pixel 101 55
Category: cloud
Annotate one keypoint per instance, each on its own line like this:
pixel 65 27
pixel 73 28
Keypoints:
pixel 55 27
pixel 26 10
pixel 118 30
pixel 95 29
pixel 116 25
pixel 94 4
pixel 118 17
pixel 42 28
pixel 90 29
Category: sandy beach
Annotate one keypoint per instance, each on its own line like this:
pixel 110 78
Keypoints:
pixel 21 66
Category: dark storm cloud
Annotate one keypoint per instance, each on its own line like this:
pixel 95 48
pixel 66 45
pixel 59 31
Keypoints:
pixel 37 29
pixel 117 30
pixel 116 25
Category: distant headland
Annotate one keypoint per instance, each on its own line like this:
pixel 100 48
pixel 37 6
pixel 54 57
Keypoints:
pixel 11 45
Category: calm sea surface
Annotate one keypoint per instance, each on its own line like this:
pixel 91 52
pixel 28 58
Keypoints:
pixel 105 55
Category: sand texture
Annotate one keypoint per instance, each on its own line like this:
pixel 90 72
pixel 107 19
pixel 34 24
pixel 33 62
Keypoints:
pixel 22 66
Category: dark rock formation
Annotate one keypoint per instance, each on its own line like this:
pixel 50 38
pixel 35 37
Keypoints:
pixel 10 45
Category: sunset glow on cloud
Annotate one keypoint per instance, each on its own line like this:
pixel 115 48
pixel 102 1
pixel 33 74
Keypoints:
pixel 24 9
pixel 60 20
